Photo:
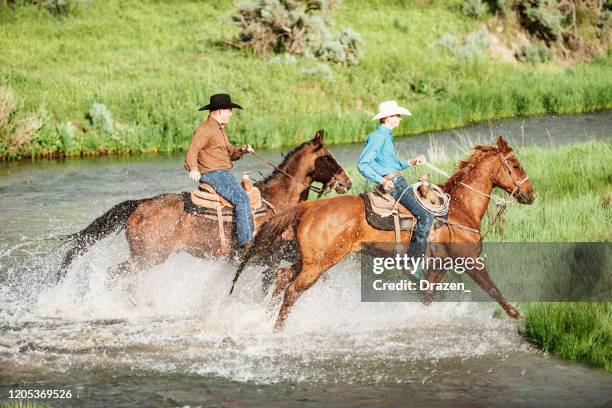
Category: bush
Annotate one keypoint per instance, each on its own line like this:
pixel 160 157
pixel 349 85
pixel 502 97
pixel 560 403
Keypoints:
pixel 100 117
pixel 534 53
pixel 472 46
pixel 503 7
pixel 541 18
pixel 301 27
pixel 474 8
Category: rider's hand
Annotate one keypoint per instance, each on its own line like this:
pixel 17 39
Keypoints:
pixel 247 148
pixel 388 185
pixel 194 175
pixel 417 161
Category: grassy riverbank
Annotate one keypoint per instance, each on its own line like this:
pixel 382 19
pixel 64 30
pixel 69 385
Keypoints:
pixel 151 64
pixel 573 186
pixel 574 331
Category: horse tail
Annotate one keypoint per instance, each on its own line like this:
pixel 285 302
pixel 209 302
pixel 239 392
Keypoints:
pixel 109 222
pixel 268 233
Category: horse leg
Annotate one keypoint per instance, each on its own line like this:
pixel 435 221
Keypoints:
pixel 285 276
pixel 432 277
pixel 482 278
pixel 269 273
pixel 305 279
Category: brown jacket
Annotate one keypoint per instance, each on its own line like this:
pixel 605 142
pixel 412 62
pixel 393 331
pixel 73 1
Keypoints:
pixel 210 149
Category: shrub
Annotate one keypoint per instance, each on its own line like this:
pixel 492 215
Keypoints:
pixel 503 7
pixel 301 27
pixel 471 47
pixel 100 117
pixel 343 48
pixel 474 8
pixel 534 53
pixel 541 18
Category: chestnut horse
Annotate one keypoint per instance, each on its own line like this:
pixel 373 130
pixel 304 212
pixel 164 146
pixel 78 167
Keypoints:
pixel 158 226
pixel 327 230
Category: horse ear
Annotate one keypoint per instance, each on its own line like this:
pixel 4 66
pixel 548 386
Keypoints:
pixel 501 143
pixel 318 139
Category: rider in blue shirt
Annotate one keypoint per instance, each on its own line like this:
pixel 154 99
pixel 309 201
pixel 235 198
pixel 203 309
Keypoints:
pixel 379 163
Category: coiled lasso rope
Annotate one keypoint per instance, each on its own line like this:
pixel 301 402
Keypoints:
pixel 437 210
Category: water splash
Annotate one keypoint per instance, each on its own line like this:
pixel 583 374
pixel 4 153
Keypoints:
pixel 179 317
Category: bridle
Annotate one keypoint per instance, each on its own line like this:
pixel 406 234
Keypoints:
pixel 320 191
pixel 333 182
pixel 506 165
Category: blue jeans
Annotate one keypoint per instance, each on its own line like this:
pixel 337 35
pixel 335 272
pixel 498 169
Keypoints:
pixel 424 218
pixel 226 185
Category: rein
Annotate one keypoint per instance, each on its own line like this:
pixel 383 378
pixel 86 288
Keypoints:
pixel 319 191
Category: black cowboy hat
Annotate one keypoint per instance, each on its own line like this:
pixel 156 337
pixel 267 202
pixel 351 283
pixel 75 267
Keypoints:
pixel 220 101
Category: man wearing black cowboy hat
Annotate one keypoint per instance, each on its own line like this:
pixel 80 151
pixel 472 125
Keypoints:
pixel 209 160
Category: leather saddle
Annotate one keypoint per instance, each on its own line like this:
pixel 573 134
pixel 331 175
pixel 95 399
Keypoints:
pixel 207 197
pixel 207 203
pixel 383 213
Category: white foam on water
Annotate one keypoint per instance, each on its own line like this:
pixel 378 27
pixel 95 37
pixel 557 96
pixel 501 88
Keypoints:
pixel 179 317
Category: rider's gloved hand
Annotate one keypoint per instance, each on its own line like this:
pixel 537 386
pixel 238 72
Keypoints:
pixel 194 175
pixel 247 148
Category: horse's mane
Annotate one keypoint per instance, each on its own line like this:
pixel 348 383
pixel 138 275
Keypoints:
pixel 288 158
pixel 466 165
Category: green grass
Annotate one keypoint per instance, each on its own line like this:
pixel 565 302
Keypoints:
pixel 574 331
pixel 21 404
pixel 152 64
pixel 570 183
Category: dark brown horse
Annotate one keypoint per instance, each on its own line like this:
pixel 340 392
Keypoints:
pixel 158 226
pixel 327 230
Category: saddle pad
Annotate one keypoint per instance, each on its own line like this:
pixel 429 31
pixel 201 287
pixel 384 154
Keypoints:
pixel 195 205
pixel 406 220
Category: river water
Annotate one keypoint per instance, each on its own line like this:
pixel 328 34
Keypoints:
pixel 173 336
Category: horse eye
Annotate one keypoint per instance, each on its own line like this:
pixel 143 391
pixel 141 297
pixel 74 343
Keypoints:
pixel 515 167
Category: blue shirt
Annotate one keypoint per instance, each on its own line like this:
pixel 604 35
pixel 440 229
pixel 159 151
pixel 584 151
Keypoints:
pixel 379 156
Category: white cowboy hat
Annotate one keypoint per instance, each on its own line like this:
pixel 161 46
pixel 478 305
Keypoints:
pixel 390 108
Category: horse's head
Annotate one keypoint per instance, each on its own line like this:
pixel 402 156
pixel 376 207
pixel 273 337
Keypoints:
pixel 511 176
pixel 324 168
